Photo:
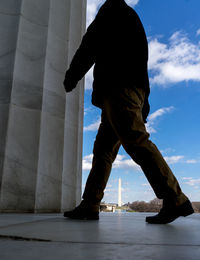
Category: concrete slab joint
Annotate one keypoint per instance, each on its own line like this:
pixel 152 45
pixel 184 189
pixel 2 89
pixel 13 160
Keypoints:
pixel 40 127
pixel 114 236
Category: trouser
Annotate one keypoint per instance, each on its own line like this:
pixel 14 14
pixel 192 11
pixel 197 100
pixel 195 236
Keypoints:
pixel 122 124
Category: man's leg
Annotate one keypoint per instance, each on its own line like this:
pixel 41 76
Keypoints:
pixel 105 150
pixel 106 147
pixel 124 112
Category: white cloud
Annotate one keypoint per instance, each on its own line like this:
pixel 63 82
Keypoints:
pixel 92 7
pixel 93 127
pixel 192 161
pixel 88 110
pixel 132 2
pixel 160 112
pixel 120 163
pixel 89 79
pixel 167 151
pixel 174 159
pixel 152 118
pixel 146 185
pixel 198 32
pixel 108 186
pixel 191 181
pixel 107 191
pixel 87 162
pixel 176 62
pixel 179 159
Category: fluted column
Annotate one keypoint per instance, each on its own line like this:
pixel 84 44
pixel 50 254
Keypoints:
pixel 72 161
pixel 9 20
pixel 34 162
pixel 21 151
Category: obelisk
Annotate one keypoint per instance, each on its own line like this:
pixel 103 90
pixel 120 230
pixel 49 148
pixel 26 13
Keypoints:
pixel 119 194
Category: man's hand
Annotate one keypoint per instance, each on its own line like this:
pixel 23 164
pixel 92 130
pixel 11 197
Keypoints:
pixel 69 82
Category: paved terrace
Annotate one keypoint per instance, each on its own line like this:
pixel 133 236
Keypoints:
pixel 114 236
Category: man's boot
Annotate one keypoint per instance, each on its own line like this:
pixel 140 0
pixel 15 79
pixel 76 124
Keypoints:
pixel 169 213
pixel 83 212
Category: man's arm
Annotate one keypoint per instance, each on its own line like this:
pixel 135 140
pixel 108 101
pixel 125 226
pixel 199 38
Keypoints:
pixel 83 59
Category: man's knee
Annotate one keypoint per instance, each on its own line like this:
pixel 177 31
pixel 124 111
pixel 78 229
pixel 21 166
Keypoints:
pixel 108 157
pixel 106 151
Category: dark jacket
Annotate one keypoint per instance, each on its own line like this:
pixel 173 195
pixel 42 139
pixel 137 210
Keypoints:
pixel 116 43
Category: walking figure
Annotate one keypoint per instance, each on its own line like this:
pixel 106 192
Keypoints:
pixel 115 42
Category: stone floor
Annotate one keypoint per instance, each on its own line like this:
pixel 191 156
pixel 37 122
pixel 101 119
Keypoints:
pixel 114 236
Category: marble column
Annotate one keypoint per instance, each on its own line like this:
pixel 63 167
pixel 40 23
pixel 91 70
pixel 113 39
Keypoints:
pixel 9 20
pixel 72 167
pixel 41 129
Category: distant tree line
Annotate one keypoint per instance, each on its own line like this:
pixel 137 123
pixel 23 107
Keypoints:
pixel 142 206
pixel 154 206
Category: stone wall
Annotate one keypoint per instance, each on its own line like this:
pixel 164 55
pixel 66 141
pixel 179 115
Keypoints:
pixel 40 126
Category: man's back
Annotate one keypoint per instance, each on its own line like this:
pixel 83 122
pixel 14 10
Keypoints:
pixel 116 43
pixel 121 50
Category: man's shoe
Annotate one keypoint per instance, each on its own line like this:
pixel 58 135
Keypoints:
pixel 82 213
pixel 169 214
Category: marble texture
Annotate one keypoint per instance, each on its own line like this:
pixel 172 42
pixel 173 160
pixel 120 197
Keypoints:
pixel 50 166
pixel 72 163
pixel 28 250
pixel 114 236
pixel 21 153
pixel 49 175
pixel 9 20
pixel 42 128
pixel 10 7
pixel 20 163
pixel 4 109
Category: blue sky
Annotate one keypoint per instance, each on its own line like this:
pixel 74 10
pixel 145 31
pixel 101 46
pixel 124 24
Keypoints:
pixel 173 32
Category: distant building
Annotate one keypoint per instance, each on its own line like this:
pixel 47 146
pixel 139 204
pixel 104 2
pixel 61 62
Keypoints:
pixel 108 207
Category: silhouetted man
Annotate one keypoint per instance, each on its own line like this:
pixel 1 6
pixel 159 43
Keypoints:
pixel 116 43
